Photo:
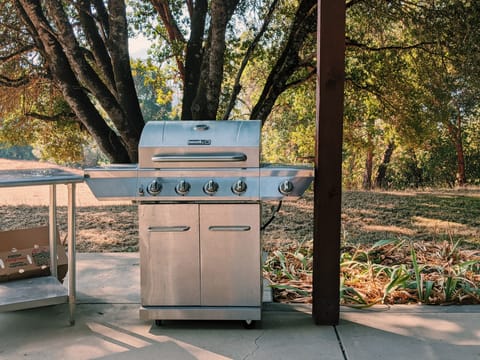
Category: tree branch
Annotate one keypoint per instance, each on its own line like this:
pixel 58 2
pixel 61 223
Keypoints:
pixel 236 86
pixel 16 53
pixel 353 43
pixel 174 34
pixel 193 57
pixel 303 24
pixel 56 117
pixel 294 83
pixel 351 3
pixel 97 43
pixel 102 17
pixel 8 82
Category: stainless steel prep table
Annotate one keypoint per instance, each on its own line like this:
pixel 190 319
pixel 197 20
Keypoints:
pixel 45 290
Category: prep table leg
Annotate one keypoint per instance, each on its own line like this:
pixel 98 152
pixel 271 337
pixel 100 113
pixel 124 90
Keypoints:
pixel 52 230
pixel 71 252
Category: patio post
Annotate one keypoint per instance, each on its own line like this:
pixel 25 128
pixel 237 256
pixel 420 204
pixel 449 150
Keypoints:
pixel 328 161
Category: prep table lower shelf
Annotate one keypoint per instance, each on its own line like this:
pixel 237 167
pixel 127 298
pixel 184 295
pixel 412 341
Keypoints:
pixel 32 292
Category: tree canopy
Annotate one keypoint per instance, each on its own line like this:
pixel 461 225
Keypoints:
pixel 81 47
pixel 411 94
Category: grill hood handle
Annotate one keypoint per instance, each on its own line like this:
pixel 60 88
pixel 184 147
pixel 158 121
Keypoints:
pixel 200 157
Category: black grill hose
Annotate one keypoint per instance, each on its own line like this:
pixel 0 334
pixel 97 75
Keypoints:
pixel 272 217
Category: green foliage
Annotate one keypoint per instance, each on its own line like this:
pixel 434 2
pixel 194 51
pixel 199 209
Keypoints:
pixel 289 133
pixel 38 117
pixel 389 272
pixel 154 94
pixel 416 62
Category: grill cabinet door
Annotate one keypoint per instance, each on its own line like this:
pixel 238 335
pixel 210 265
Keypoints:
pixel 230 254
pixel 169 254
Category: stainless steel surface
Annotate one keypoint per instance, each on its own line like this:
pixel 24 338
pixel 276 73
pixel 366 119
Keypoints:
pixel 253 184
pixel 168 228
pixel 202 255
pixel 287 182
pixel 169 180
pixel 30 293
pixel 114 182
pixel 52 229
pixel 230 228
pixel 200 313
pixel 177 144
pixel 230 255
pixel 199 157
pixel 71 241
pixel 43 291
pixel 199 186
pixel 13 178
pixel 169 263
pixel 209 161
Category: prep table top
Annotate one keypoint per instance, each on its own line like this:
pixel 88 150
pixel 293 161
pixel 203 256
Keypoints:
pixel 30 177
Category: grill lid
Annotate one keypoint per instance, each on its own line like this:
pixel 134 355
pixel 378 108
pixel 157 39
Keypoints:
pixel 206 144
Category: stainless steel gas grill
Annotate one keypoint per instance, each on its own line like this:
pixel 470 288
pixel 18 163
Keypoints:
pixel 199 185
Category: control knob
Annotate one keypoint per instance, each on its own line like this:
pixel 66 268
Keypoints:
pixel 286 187
pixel 154 188
pixel 182 188
pixel 211 187
pixel 239 187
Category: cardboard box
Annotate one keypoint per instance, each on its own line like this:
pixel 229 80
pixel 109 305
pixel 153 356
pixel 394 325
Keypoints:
pixel 25 253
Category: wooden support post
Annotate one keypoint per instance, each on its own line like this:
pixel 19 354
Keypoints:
pixel 328 161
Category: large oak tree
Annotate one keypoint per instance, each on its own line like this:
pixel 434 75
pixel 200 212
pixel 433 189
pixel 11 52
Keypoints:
pixel 81 46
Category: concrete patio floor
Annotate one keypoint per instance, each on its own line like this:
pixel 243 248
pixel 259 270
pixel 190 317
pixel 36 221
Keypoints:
pixel 108 327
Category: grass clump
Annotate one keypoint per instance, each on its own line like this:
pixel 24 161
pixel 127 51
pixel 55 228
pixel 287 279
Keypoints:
pixel 396 271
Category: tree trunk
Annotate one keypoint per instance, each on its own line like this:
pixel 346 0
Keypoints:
pixel 456 136
pixel 237 87
pixel 109 80
pixel 59 66
pixel 174 34
pixel 380 180
pixel 304 24
pixel 204 58
pixel 205 105
pixel 194 57
pixel 461 174
pixel 367 176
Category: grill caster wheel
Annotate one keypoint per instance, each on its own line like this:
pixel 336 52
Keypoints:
pixel 158 322
pixel 248 324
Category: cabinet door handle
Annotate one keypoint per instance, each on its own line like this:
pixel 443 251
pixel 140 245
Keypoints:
pixel 168 228
pixel 230 228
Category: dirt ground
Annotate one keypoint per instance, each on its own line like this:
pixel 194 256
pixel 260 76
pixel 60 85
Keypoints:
pixel 111 226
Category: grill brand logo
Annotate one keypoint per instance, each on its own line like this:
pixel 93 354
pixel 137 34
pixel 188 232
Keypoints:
pixel 199 142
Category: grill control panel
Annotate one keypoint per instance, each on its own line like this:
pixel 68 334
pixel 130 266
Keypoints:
pixel 198 188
